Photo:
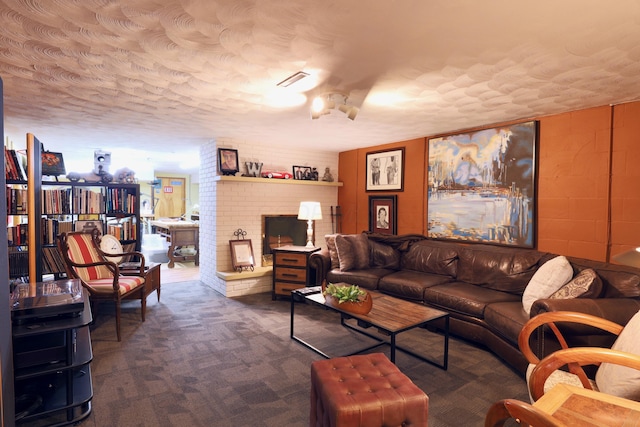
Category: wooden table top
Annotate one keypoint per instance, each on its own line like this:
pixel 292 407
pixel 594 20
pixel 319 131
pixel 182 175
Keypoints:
pixel 575 406
pixel 390 313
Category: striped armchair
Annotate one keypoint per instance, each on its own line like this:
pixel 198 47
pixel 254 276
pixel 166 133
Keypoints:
pixel 85 261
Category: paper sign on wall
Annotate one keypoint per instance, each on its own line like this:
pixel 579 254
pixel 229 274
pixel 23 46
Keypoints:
pixel 168 189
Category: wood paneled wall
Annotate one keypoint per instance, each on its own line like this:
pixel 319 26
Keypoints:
pixel 588 200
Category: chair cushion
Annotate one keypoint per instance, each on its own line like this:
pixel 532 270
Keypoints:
pixel 558 377
pixel 550 277
pixel 620 380
pixel 126 284
pixel 83 251
pixel 353 251
pixel 586 284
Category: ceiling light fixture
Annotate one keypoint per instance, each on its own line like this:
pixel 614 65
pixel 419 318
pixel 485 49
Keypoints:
pixel 293 79
pixel 323 104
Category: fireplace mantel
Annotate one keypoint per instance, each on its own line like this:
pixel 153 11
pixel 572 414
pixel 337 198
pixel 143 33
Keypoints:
pixel 275 181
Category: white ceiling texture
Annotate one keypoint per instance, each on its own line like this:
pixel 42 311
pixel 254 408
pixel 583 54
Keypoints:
pixel 161 77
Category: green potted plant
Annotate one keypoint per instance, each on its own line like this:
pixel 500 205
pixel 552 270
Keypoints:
pixel 348 298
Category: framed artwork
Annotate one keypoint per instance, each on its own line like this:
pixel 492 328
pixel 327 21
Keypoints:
pixel 383 214
pixel 87 226
pixel 241 254
pixel 385 170
pixel 228 161
pixel 302 172
pixel 481 186
pixel 52 164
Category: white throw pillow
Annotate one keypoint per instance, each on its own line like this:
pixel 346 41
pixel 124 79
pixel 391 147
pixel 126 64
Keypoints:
pixel 551 276
pixel 619 380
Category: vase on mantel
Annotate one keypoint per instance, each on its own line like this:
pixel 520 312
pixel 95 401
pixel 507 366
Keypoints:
pixel 361 307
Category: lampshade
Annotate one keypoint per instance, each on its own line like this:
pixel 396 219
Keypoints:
pixel 630 258
pixel 310 211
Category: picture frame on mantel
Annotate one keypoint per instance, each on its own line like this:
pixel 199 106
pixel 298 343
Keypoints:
pixel 481 186
pixel 383 214
pixel 228 161
pixel 385 170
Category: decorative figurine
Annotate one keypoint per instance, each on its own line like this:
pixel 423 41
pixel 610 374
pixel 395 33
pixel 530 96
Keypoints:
pixel 327 175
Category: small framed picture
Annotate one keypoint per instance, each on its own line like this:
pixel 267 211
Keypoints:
pixel 87 226
pixel 241 254
pixel 228 161
pixel 385 170
pixel 52 164
pixel 383 214
pixel 302 172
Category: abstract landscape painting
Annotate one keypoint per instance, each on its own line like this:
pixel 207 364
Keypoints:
pixel 481 186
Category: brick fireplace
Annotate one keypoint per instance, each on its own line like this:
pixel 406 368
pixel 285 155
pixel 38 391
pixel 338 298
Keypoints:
pixel 227 205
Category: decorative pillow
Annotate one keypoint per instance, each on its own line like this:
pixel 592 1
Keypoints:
pixel 586 284
pixel 333 252
pixel 551 276
pixel 353 251
pixel 383 256
pixel 620 380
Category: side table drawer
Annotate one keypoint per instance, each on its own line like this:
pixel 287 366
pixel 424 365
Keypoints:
pixel 292 274
pixel 286 288
pixel 292 260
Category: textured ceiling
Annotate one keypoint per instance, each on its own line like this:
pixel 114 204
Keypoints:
pixel 166 76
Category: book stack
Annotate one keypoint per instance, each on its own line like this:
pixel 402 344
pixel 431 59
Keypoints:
pixel 13 165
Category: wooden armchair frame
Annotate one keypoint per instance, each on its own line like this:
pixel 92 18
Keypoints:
pixel 524 413
pixel 573 358
pixel 105 281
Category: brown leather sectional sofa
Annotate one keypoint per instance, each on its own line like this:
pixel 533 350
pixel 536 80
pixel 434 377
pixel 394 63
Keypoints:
pixel 481 286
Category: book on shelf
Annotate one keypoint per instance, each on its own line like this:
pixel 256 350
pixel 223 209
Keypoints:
pixel 13 165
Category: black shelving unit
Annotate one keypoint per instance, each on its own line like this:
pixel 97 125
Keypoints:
pixel 52 372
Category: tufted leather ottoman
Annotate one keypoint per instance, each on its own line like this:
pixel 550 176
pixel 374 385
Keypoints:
pixel 365 390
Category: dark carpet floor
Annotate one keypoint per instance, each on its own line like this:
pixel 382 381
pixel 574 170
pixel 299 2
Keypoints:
pixel 201 359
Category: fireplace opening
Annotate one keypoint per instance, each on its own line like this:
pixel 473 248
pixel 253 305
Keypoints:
pixel 282 230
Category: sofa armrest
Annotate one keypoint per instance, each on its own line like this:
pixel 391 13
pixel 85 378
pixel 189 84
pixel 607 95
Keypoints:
pixel 618 310
pixel 321 262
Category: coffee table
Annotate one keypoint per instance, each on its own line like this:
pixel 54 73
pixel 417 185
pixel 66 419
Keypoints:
pixel 390 315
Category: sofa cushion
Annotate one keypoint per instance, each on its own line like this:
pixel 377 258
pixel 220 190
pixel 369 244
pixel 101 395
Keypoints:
pixel 501 269
pixel 408 284
pixel 383 256
pixel 333 252
pixel 506 319
pixel 367 278
pixel 619 380
pixel 550 277
pixel 465 298
pixel 586 284
pixel 430 256
pixel 353 251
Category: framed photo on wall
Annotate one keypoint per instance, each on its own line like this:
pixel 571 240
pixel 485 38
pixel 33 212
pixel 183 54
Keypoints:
pixel 228 161
pixel 383 214
pixel 385 170
pixel 481 186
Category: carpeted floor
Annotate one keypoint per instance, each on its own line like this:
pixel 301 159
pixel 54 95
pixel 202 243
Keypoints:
pixel 201 359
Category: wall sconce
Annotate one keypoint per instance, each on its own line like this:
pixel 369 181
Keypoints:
pixel 310 211
pixel 323 104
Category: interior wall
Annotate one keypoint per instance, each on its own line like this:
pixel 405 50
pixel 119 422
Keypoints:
pixel 587 198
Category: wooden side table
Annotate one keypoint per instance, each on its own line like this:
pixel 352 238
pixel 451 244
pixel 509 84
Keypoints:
pixel 291 269
pixel 151 277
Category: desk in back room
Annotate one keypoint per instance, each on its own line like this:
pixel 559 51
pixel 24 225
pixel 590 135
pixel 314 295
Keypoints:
pixel 179 234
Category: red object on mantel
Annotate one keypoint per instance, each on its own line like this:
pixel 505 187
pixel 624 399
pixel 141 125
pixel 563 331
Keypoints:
pixel 275 174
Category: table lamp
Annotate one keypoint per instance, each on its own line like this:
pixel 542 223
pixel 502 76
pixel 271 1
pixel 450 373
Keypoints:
pixel 630 258
pixel 310 211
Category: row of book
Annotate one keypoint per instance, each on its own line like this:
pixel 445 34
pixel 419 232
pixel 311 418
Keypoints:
pixel 19 262
pixel 85 200
pixel 13 165
pixel 123 229
pixel 52 227
pixel 17 201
